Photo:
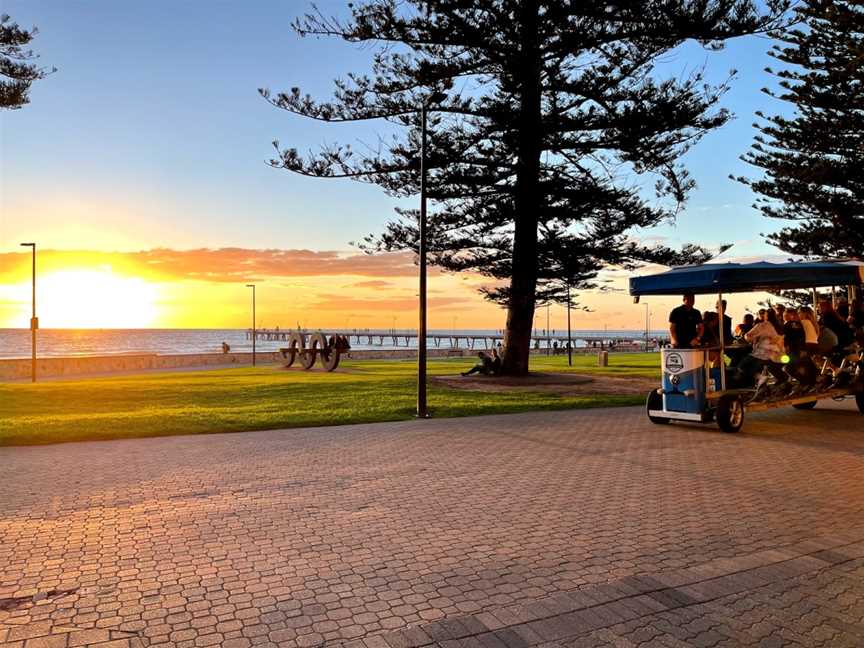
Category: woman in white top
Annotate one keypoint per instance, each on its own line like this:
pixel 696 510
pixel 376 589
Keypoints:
pixel 767 340
pixel 811 328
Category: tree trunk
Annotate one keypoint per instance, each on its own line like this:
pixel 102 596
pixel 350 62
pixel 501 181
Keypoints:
pixel 523 281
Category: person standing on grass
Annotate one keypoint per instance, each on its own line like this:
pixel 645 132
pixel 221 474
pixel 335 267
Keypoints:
pixel 685 324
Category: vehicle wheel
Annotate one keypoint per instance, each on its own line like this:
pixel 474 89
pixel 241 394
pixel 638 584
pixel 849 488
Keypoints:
pixel 859 399
pixel 730 413
pixel 655 402
pixel 805 406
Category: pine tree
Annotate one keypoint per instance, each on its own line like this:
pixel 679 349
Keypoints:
pixel 814 160
pixel 550 123
pixel 16 64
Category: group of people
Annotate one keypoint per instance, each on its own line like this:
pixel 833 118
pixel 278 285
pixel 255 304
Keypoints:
pixel 489 364
pixel 783 339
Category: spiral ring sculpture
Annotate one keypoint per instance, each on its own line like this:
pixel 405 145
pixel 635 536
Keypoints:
pixel 318 347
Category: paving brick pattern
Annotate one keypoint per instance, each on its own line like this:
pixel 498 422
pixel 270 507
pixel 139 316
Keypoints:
pixel 566 528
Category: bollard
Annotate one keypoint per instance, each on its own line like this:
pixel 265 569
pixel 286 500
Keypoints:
pixel 603 359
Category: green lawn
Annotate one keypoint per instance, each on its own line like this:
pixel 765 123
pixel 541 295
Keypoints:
pixel 238 399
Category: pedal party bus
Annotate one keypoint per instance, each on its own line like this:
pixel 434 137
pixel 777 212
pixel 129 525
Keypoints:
pixel 693 390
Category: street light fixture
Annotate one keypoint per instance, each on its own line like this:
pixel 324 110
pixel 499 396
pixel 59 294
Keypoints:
pixel 422 411
pixel 34 321
pixel 252 286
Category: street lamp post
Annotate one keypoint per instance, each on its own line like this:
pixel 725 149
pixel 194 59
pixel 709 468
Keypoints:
pixel 569 339
pixel 422 411
pixel 34 321
pixel 252 286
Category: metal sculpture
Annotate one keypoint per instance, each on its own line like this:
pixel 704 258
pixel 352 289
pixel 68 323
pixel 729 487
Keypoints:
pixel 319 347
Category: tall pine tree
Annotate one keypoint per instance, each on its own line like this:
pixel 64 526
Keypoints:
pixel 551 121
pixel 16 64
pixel 814 160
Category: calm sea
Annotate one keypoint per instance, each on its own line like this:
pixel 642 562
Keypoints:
pixel 15 343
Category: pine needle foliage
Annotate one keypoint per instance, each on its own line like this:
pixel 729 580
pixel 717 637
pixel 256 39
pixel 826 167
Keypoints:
pixel 813 161
pixel 551 122
pixel 17 64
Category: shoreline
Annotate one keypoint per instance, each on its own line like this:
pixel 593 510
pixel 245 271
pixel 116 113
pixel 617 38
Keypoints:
pixel 52 367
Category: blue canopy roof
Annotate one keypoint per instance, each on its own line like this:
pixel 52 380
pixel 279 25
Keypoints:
pixel 749 277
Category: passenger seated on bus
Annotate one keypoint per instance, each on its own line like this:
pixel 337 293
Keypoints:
pixel 856 319
pixel 843 310
pixel 811 328
pixel 828 318
pixel 767 340
pixel 711 337
pixel 744 326
pixel 779 310
pixel 727 321
pixel 800 365
pixel 740 348
pixel 685 324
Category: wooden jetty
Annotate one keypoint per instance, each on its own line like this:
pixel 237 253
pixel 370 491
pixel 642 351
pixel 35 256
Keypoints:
pixel 456 340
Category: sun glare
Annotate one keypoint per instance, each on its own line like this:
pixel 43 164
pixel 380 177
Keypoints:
pixel 95 299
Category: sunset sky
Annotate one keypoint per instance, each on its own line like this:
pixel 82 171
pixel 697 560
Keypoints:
pixel 139 169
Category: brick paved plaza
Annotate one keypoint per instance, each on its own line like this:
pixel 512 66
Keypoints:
pixel 579 528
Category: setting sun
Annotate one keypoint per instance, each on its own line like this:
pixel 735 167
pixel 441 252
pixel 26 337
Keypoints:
pixel 95 299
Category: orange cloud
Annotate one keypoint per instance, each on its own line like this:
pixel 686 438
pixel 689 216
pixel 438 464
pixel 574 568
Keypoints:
pixel 222 264
pixel 375 283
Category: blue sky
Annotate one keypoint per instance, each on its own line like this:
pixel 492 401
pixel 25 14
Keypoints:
pixel 152 134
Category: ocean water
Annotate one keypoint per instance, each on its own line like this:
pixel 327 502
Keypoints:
pixel 15 343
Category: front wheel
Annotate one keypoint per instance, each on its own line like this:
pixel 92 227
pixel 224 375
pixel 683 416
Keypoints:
pixel 805 406
pixel 859 399
pixel 730 413
pixel 655 402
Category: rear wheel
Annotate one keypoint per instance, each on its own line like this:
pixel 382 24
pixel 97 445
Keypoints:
pixel 655 402
pixel 859 399
pixel 805 406
pixel 730 413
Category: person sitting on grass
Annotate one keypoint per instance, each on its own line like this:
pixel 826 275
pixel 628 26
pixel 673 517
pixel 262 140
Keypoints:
pixel 483 367
pixel 496 363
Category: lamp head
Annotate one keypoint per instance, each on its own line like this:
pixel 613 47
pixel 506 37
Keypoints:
pixel 250 285
pixel 28 245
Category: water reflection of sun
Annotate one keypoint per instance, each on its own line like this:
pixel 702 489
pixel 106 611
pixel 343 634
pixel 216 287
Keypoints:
pixel 95 299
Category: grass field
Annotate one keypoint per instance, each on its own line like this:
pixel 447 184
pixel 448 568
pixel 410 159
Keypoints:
pixel 241 399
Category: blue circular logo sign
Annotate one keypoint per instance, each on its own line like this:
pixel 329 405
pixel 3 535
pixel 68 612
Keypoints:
pixel 674 363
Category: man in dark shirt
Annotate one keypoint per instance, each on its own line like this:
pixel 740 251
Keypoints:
pixel 830 319
pixel 685 324
pixel 727 322
pixel 793 333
